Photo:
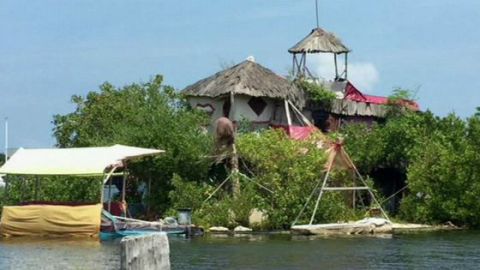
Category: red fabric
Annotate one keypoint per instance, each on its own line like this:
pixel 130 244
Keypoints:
pixel 352 93
pixel 297 132
pixel 116 208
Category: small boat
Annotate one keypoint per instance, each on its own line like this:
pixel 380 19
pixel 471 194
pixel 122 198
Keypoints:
pixel 116 226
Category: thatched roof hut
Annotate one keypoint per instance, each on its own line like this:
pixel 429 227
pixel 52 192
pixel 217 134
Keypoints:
pixel 319 41
pixel 247 78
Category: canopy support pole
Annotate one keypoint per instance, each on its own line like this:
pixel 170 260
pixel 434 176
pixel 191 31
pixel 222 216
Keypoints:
pixel 124 183
pixel 104 180
pixel 109 194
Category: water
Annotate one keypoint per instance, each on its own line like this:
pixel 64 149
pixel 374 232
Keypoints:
pixel 439 250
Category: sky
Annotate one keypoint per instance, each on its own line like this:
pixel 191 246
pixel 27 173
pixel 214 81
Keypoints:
pixel 53 49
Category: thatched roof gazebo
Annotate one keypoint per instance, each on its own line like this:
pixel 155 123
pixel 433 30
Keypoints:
pixel 246 90
pixel 318 41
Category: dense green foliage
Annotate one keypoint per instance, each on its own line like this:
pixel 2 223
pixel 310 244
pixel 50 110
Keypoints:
pixel 287 167
pixel 317 92
pixel 439 156
pixel 144 115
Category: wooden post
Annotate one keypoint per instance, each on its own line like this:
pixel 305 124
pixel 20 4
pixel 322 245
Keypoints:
pixel 109 194
pixel 346 66
pixel 287 112
pixel 232 107
pixel 336 66
pixel 124 183
pixel 304 63
pixel 149 188
pixel 101 189
pixel 235 173
pixel 145 252
pixel 321 189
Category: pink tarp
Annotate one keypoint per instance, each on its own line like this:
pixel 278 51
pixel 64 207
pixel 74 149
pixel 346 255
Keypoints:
pixel 297 132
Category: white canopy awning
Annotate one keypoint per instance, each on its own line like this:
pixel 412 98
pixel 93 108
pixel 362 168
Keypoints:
pixel 72 161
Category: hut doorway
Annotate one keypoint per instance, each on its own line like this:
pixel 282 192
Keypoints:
pixel 226 107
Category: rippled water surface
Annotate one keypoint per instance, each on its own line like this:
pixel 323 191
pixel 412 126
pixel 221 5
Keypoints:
pixel 440 250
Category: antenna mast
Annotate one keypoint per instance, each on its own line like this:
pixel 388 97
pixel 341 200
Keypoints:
pixel 6 138
pixel 316 12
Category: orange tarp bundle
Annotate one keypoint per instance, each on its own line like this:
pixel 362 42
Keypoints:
pixel 51 220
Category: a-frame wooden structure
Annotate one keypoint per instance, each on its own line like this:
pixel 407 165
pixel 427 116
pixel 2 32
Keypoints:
pixel 338 158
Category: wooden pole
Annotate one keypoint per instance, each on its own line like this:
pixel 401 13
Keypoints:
pixel 109 194
pixel 215 191
pixel 308 200
pixel 104 180
pixel 149 188
pixel 304 65
pixel 124 183
pixel 287 112
pixel 235 173
pixel 336 66
pixel 346 66
pixel 365 183
pixel 231 114
pixel 321 189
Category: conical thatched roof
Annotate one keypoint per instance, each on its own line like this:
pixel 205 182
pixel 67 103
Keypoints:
pixel 246 78
pixel 319 41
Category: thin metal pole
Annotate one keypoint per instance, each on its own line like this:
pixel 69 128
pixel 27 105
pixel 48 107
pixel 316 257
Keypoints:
pixel 306 203
pixel 6 138
pixel 319 197
pixel 316 12
pixel 321 190
pixel 215 191
pixel 365 183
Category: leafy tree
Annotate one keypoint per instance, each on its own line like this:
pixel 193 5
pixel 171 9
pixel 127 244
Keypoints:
pixel 144 115
pixel 287 167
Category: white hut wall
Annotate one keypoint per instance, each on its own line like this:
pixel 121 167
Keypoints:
pixel 214 107
pixel 245 106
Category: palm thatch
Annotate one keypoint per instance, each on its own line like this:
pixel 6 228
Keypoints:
pixel 247 78
pixel 319 41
